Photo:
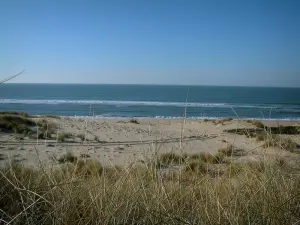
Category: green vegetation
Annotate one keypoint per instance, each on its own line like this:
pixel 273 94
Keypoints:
pixel 257 123
pixel 249 132
pixel 63 136
pixel 52 116
pixel 23 114
pixel 20 123
pixel 46 129
pixel 15 123
pixel 261 133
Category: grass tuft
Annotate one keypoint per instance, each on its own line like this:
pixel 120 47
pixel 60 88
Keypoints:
pixel 208 158
pixel 15 123
pixel 63 136
pixel 172 158
pixel 133 120
pixel 283 143
pixel 81 136
pixel 196 166
pixel 257 123
pixel 68 157
pixel 83 192
pixel 231 150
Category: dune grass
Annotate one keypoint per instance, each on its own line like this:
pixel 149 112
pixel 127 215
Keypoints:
pixel 172 158
pixel 16 123
pixel 283 143
pixel 207 158
pixel 231 150
pixel 24 114
pixel 21 123
pixel 204 189
pixel 63 136
pixel 133 120
pixel 84 192
pixel 81 136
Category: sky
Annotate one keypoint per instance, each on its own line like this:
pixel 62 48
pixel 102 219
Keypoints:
pixel 232 42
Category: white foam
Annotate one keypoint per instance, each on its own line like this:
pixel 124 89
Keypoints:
pixel 101 117
pixel 135 103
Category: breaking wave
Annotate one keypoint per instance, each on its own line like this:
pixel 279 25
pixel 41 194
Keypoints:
pixel 140 103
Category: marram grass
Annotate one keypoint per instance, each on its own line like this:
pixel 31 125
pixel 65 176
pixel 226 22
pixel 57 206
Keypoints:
pixel 84 192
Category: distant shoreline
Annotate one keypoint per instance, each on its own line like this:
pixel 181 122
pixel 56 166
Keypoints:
pixel 265 120
pixel 179 85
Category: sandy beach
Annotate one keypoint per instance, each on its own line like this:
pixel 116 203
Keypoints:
pixel 121 142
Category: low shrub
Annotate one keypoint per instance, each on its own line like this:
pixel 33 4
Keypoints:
pixel 15 123
pixel 62 137
pixel 23 114
pixel 133 120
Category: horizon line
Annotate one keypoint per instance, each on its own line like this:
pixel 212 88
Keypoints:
pixel 153 84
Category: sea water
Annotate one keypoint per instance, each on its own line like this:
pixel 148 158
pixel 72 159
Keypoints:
pixel 151 101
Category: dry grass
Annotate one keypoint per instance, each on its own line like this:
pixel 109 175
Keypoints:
pixel 81 136
pixel 133 120
pixel 283 143
pixel 172 158
pixel 68 157
pixel 208 158
pixel 231 150
pixel 196 166
pixel 203 190
pixel 257 123
pixel 63 136
pixel 52 116
pixel 83 192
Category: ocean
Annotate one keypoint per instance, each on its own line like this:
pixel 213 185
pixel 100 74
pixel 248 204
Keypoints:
pixel 151 101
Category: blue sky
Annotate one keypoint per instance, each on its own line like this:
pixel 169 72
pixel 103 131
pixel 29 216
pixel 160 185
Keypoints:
pixel 212 42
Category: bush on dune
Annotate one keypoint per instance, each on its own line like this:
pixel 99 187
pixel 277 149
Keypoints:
pixel 16 123
pixel 24 114
pixel 63 136
pixel 133 120
pixel 20 123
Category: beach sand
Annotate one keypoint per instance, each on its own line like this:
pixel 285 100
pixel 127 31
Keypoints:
pixel 121 142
